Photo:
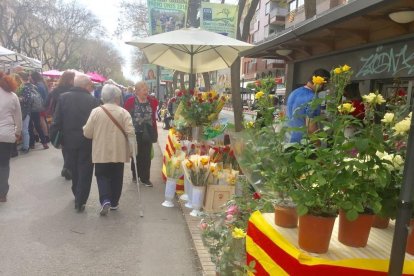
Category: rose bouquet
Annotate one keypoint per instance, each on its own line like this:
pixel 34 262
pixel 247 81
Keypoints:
pixel 197 169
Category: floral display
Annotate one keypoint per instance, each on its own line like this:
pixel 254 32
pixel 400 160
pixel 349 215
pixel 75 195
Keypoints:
pixel 199 108
pixel 197 169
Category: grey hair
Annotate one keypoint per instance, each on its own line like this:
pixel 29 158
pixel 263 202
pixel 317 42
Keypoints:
pixel 110 93
pixel 82 81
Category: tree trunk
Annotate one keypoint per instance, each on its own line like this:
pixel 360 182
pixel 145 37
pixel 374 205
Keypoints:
pixel 175 79
pixel 310 8
pixel 236 95
pixel 182 84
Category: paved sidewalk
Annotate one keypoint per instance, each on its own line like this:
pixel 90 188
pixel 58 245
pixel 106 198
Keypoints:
pixel 208 268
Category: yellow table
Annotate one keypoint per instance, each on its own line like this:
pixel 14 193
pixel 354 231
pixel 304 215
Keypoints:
pixel 276 252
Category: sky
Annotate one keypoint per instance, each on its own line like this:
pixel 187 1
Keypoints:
pixel 108 13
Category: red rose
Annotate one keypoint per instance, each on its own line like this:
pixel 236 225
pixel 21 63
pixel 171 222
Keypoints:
pixel 258 83
pixel 210 95
pixel 210 100
pixel 184 148
pixel 173 100
pixel 216 97
pixel 231 153
pixel 180 94
pixel 200 100
pixel 193 146
pixel 191 92
pixel 257 195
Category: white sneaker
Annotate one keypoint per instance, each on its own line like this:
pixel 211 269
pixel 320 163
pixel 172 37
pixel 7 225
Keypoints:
pixel 105 208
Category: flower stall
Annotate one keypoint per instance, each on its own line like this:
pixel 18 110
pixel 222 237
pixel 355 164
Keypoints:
pixel 209 171
pixel 350 168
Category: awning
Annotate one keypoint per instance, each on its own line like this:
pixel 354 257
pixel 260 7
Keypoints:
pixel 348 26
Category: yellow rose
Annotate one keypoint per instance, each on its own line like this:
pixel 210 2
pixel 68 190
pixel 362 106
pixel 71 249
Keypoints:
pixel 346 68
pixel 388 118
pixel 259 95
pixel 369 98
pixel 338 71
pixel 204 160
pixel 402 127
pixel 317 80
pixel 250 124
pixel 189 164
pixel 398 161
pixel 238 233
pixel 346 108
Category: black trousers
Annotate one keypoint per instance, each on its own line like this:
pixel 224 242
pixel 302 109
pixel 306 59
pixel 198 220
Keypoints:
pixel 64 154
pixel 143 159
pixel 5 154
pixel 35 123
pixel 79 162
pixel 110 178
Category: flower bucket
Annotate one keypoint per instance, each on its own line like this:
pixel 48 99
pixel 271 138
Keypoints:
pixel 197 133
pixel 170 187
pixel 197 200
pixel 410 239
pixel 286 216
pixel 380 222
pixel 315 233
pixel 354 233
pixel 189 193
pixel 185 197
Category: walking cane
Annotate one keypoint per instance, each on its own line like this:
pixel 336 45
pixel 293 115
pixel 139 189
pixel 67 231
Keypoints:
pixel 140 208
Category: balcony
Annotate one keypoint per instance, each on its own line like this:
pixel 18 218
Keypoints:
pixel 277 16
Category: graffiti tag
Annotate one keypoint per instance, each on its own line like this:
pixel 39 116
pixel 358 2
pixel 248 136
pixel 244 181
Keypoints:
pixel 387 61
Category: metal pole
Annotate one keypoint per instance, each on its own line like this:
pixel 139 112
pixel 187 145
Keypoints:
pixel 192 78
pixel 405 205
pixel 158 82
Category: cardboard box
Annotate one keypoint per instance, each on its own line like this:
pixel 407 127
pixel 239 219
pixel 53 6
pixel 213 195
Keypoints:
pixel 217 196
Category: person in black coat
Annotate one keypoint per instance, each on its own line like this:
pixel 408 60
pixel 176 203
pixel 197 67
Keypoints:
pixel 65 83
pixel 71 114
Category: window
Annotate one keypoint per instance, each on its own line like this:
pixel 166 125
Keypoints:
pixel 296 4
pixel 267 8
pixel 266 31
pixel 292 5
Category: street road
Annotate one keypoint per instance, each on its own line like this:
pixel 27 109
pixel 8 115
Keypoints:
pixel 41 234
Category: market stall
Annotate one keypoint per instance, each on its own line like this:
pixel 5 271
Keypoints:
pixel 10 59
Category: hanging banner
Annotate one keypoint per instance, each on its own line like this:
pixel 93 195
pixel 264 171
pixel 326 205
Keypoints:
pixel 149 75
pixel 219 18
pixel 166 74
pixel 167 15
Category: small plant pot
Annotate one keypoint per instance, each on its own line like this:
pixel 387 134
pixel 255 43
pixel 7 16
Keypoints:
pixel 286 217
pixel 380 222
pixel 315 233
pixel 354 233
pixel 410 239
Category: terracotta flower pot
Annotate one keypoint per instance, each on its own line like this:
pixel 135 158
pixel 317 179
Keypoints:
pixel 286 217
pixel 354 233
pixel 410 240
pixel 315 233
pixel 380 222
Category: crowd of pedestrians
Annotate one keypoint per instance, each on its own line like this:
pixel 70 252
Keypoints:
pixel 94 133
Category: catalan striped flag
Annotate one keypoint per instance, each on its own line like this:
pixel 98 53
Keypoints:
pixel 275 255
pixel 170 149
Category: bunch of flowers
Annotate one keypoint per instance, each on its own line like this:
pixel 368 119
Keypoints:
pixel 173 165
pixel 199 108
pixel 197 168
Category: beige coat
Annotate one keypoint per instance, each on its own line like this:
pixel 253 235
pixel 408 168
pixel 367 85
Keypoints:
pixel 108 143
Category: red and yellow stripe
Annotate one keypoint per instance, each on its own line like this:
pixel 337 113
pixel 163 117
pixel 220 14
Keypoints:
pixel 274 255
pixel 170 150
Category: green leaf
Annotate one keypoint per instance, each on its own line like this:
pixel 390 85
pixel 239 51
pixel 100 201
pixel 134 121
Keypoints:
pixel 347 205
pixel 362 145
pixel 299 158
pixel 352 215
pixel 302 210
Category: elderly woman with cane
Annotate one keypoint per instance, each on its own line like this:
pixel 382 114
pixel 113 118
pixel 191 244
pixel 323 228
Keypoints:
pixel 113 140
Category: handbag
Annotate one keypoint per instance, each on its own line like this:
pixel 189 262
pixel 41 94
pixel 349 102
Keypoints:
pixel 149 135
pixel 57 139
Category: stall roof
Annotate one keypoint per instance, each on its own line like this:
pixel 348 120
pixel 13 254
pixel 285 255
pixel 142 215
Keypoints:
pixel 352 25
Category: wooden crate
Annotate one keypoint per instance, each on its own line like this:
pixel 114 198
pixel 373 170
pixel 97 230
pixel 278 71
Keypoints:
pixel 217 196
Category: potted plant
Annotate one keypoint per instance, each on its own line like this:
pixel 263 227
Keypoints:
pixel 360 197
